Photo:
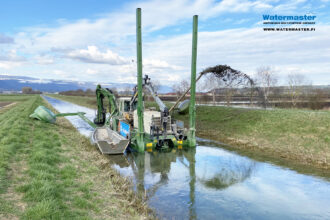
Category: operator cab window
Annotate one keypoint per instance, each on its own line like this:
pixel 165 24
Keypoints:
pixel 126 106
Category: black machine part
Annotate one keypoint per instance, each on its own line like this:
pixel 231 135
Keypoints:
pixel 102 93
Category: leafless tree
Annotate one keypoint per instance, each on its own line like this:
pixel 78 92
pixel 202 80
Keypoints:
pixel 231 84
pixel 229 92
pixel 212 83
pixel 181 87
pixel 265 79
pixel 127 91
pixel 184 86
pixel 295 82
pixel 114 90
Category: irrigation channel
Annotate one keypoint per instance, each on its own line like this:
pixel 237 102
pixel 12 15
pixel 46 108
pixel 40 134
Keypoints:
pixel 212 183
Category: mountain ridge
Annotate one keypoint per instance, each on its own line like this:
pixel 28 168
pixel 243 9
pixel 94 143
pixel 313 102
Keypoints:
pixel 16 83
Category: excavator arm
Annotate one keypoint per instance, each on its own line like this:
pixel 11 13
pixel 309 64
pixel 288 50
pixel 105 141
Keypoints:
pixel 102 93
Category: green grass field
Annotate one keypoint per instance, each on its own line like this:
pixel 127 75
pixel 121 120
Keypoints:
pixel 50 171
pixel 289 137
pixel 286 134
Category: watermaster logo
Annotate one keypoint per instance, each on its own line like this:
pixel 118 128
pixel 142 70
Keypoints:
pixel 289 22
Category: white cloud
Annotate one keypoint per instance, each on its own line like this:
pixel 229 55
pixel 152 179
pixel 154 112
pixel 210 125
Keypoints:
pixel 43 60
pixel 8 65
pixel 241 21
pixel 289 6
pixel 59 72
pixel 91 71
pixel 116 27
pixel 166 59
pixel 94 55
pixel 11 60
pixel 155 64
pixel 249 48
pixel 12 56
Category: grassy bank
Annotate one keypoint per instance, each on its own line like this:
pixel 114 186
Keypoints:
pixel 52 172
pixel 289 137
pixel 295 138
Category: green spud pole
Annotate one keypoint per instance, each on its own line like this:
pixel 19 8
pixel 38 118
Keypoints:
pixel 192 107
pixel 140 134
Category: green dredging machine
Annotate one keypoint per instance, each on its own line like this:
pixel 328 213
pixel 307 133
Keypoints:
pixel 129 123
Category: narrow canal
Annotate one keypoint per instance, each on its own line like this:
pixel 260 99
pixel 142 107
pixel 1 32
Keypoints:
pixel 212 183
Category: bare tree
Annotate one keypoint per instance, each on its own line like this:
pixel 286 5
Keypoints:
pixel 181 87
pixel 231 83
pixel 252 91
pixel 114 91
pixel 127 91
pixel 212 83
pixel 295 82
pixel 184 84
pixel 266 79
pixel 175 89
pixel 230 89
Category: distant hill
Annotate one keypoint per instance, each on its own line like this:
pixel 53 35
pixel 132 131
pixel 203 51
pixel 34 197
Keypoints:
pixel 15 83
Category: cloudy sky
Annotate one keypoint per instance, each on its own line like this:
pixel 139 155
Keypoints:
pixel 88 40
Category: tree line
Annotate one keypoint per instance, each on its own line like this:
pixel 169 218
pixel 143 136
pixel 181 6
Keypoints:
pixel 29 90
pixel 264 91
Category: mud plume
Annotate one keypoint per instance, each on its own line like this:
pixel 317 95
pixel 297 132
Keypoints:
pixel 228 74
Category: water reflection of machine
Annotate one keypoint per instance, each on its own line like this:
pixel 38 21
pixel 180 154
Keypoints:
pixel 153 170
pixel 154 163
pixel 160 163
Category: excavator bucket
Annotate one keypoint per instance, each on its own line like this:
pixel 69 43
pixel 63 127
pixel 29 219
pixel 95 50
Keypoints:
pixel 44 114
pixel 109 141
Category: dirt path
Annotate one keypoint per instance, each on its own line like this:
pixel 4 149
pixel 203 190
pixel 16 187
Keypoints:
pixel 6 104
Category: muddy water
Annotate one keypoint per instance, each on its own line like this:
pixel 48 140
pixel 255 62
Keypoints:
pixel 211 183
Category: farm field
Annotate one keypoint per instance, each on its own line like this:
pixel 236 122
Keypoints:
pixel 50 171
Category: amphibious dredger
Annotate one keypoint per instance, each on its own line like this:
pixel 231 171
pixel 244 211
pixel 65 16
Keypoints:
pixel 128 123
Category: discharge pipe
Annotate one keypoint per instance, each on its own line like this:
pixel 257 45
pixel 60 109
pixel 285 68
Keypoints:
pixel 184 94
pixel 147 84
pixel 159 102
